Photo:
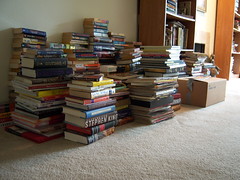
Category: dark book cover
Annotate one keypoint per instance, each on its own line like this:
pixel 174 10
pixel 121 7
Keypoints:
pixel 92 130
pixel 38 63
pixel 46 72
pixel 153 104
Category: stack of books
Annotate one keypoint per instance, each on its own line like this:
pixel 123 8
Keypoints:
pixel 122 102
pixel 23 39
pixel 194 63
pixel 5 114
pixel 100 43
pixel 172 6
pixel 41 91
pixel 162 61
pixel 128 61
pixel 151 98
pixel 90 114
pixel 118 40
pixel 80 58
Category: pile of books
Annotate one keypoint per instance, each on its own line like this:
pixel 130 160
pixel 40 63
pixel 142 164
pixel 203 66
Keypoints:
pixel 194 63
pixel 151 98
pixel 23 39
pixel 172 6
pixel 90 113
pixel 122 102
pixel 41 91
pixel 100 43
pixel 118 40
pixel 162 61
pixel 127 61
pixel 5 114
pixel 80 58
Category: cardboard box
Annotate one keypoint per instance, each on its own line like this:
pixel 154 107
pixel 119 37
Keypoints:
pixel 202 92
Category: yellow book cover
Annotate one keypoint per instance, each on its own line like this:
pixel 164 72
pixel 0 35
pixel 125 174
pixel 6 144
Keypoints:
pixel 105 81
pixel 52 92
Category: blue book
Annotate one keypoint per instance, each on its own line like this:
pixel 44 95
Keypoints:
pixel 29 31
pixel 88 114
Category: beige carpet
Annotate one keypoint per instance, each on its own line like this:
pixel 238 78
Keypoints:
pixel 198 143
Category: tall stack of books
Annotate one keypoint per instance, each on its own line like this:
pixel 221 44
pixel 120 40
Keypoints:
pixel 194 63
pixel 90 114
pixel 5 114
pixel 172 6
pixel 118 40
pixel 41 91
pixel 151 98
pixel 23 39
pixel 162 61
pixel 80 58
pixel 100 43
pixel 122 102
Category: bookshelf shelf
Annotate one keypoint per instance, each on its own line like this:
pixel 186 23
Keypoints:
pixel 179 17
pixel 235 53
pixel 237 15
pixel 236 30
pixel 156 28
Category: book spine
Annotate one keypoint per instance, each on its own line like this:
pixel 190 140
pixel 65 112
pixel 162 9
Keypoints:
pixel 42 73
pixel 49 52
pixel 100 135
pixel 101 104
pixel 105 92
pixel 5 115
pixel 94 129
pixel 3 120
pixel 50 62
pixel 101 83
pixel 99 111
pixel 52 92
pixel 100 99
pixel 34 32
pixel 101 119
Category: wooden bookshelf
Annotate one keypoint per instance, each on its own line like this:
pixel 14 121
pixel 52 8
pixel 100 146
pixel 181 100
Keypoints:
pixel 153 18
pixel 225 35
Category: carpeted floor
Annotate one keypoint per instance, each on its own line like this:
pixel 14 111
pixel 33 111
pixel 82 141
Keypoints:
pixel 198 143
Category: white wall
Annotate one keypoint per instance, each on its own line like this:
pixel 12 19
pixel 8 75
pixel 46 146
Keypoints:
pixel 205 26
pixel 57 16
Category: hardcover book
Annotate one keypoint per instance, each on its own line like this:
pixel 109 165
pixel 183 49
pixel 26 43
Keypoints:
pixel 48 72
pixel 90 113
pixel 29 31
pixel 93 121
pixel 73 136
pixel 85 101
pixel 92 105
pixel 44 62
pixel 91 130
pixel 92 95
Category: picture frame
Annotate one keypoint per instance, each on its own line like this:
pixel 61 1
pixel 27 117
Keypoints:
pixel 202 5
